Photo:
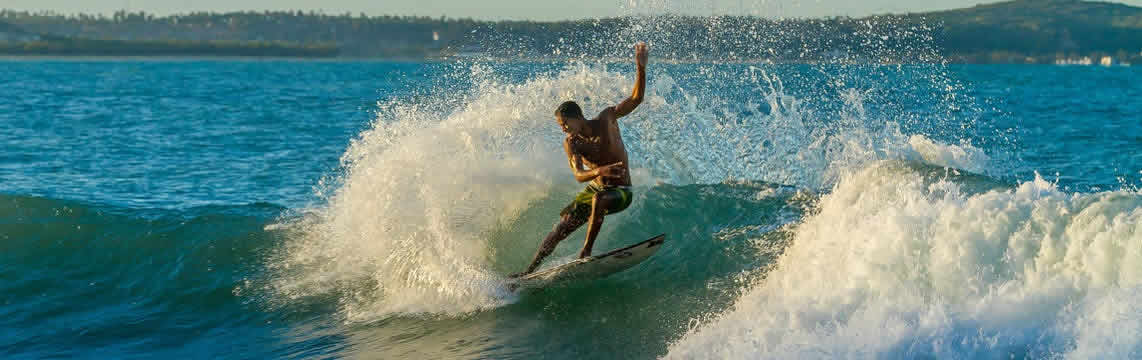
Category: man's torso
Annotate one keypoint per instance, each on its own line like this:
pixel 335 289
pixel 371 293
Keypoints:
pixel 605 148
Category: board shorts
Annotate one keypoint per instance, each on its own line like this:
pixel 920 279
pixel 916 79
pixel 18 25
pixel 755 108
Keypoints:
pixel 580 208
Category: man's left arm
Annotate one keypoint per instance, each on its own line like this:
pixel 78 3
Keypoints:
pixel 628 105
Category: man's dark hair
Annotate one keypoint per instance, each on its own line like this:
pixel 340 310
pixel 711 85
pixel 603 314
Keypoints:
pixel 569 109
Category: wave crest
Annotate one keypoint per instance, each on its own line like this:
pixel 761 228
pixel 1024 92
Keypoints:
pixel 901 265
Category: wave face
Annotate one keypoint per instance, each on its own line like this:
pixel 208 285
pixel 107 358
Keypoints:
pixel 406 228
pixel 83 278
pixel 896 264
pixel 844 208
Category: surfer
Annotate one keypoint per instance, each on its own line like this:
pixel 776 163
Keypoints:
pixel 597 156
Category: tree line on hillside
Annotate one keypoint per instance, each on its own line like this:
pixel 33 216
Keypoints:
pixel 1013 31
pixel 62 46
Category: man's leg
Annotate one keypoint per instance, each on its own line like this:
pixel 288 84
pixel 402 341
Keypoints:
pixel 568 223
pixel 599 205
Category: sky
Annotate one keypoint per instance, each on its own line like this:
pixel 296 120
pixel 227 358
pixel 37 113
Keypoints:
pixel 512 9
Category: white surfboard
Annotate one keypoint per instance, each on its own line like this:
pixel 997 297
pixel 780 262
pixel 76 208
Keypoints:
pixel 593 267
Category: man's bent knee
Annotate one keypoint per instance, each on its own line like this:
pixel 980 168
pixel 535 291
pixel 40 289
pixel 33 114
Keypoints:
pixel 568 224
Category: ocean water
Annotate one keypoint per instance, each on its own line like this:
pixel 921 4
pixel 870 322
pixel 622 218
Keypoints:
pixel 282 209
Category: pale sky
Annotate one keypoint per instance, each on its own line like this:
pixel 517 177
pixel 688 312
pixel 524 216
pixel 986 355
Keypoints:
pixel 512 9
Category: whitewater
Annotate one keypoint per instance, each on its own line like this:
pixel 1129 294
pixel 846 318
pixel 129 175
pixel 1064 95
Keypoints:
pixel 891 244
pixel 841 209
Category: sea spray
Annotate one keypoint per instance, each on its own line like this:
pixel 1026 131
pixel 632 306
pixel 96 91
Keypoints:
pixel 896 264
pixel 407 225
pixel 192 283
pixel 405 233
pixel 422 192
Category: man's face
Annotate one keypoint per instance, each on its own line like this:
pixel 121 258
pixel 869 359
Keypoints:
pixel 570 125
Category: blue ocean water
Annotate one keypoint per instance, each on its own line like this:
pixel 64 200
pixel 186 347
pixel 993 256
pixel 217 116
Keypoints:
pixel 266 209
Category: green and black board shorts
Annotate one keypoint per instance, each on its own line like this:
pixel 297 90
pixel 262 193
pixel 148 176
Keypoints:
pixel 580 208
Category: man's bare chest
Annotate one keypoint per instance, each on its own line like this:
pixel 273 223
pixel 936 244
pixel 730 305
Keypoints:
pixel 599 150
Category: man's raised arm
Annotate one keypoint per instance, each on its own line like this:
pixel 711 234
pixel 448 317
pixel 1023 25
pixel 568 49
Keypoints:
pixel 628 105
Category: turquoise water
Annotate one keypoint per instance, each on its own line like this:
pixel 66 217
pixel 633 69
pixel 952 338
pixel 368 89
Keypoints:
pixel 277 209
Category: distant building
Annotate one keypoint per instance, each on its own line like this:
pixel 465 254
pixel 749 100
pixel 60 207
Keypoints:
pixel 1106 61
pixel 1085 61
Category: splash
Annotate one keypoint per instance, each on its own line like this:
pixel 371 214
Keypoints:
pixel 407 229
pixel 896 264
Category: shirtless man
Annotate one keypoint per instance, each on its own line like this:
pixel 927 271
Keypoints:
pixel 596 154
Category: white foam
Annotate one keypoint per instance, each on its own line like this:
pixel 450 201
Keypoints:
pixel 1107 326
pixel 896 267
pixel 778 138
pixel 964 157
pixel 404 233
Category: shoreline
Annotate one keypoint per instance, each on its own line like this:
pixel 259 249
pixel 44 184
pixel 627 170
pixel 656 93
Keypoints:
pixel 349 59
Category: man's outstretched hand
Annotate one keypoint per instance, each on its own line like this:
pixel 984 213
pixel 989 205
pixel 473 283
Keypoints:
pixel 640 53
pixel 624 108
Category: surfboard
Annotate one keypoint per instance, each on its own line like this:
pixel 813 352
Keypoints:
pixel 592 267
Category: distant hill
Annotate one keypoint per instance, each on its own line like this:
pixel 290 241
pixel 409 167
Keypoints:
pixel 61 46
pixel 1039 27
pixel 1039 14
pixel 17 41
pixel 1010 31
pixel 410 37
pixel 9 28
pixel 13 34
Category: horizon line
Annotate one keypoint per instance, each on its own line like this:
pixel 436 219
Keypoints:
pixel 445 17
